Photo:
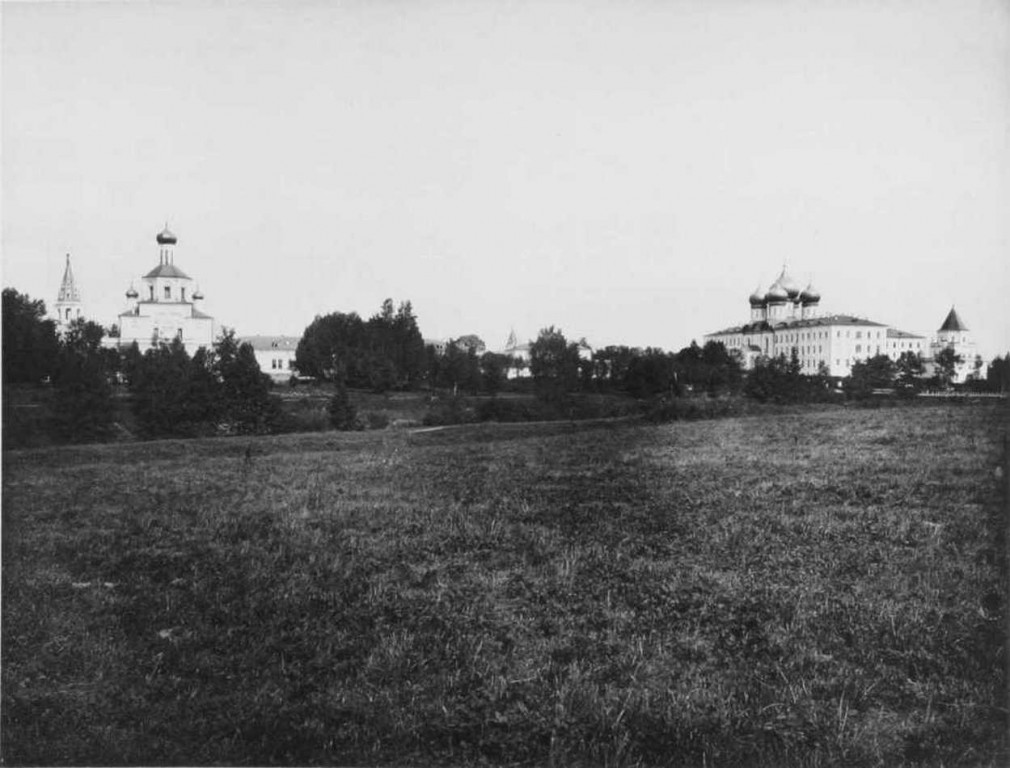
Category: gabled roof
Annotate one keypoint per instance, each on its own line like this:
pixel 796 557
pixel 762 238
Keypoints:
pixel 271 342
pixel 953 322
pixel 167 270
pixel 894 333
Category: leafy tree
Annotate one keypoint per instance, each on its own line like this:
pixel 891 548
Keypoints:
pixel 332 347
pixel 30 345
pixel 245 402
pixel 976 369
pixel 82 392
pixel 343 414
pixel 651 372
pixel 202 405
pixel 130 361
pixel 383 353
pixel 610 366
pixel 459 369
pixel 720 370
pixel 876 372
pixel 910 369
pixel 776 379
pixel 946 363
pixel 997 375
pixel 554 364
pixel 471 341
pixel 159 385
pixel 493 371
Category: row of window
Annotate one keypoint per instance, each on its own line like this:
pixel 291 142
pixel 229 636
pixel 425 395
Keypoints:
pixel 278 364
pixel 168 292
pixel 156 336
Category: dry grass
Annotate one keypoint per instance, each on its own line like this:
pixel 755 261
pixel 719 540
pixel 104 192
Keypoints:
pixel 818 588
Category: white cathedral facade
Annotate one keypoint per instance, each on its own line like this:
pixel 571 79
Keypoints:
pixel 786 319
pixel 165 307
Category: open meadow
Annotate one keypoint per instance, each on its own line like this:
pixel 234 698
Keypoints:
pixel 816 587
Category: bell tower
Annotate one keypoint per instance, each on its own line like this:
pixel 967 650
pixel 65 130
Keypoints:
pixel 68 306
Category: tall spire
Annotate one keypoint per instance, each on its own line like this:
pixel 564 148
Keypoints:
pixel 511 342
pixel 68 288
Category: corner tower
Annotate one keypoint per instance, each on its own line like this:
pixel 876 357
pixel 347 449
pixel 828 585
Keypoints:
pixel 953 334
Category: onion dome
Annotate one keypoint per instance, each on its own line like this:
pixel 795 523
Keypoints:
pixel 165 237
pixel 131 292
pixel 197 295
pixel 757 298
pixel 790 286
pixel 810 295
pixel 777 293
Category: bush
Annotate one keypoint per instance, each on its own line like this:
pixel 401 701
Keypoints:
pixel 343 414
pixel 376 419
pixel 449 409
pixel 664 409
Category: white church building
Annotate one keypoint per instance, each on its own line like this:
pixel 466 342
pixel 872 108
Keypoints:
pixel 165 307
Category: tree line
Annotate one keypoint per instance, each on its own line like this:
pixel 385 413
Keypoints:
pixel 219 390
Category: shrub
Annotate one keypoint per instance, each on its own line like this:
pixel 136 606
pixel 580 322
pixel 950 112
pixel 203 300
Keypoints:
pixel 449 409
pixel 343 414
pixel 377 419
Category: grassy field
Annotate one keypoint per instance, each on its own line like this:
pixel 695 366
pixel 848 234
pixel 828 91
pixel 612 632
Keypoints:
pixel 819 588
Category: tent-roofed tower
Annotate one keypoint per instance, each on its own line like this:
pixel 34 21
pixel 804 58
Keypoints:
pixel 953 334
pixel 68 306
pixel 953 323
pixel 165 306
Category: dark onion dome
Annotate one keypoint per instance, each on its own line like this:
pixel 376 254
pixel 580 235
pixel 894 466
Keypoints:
pixel 776 293
pixel 810 295
pixel 757 299
pixel 165 237
pixel 131 292
pixel 197 296
pixel 792 289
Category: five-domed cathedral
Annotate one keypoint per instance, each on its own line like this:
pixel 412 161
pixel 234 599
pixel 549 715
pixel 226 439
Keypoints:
pixel 786 319
pixel 165 306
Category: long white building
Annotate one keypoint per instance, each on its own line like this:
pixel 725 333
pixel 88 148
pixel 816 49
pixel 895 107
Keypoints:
pixel 785 318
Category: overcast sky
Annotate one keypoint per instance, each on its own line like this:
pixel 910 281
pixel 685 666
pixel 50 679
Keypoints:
pixel 627 171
